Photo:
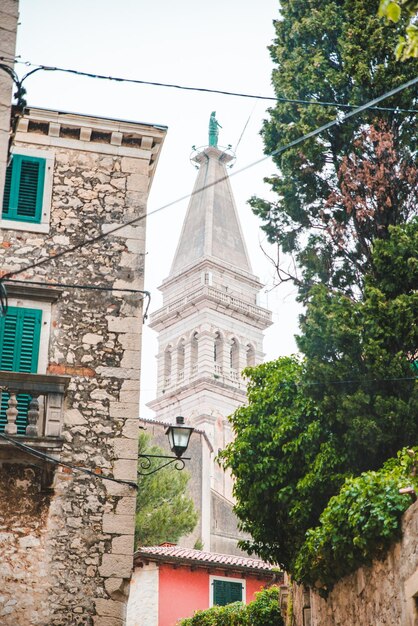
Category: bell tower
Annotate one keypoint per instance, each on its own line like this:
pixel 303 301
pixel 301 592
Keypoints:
pixel 210 326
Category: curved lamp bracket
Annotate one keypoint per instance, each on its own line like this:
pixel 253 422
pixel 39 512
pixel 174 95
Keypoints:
pixel 146 465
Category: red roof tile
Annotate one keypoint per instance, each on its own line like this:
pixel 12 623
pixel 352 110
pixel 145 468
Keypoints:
pixel 187 555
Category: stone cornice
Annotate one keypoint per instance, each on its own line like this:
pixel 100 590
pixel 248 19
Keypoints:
pixel 193 388
pixel 92 134
pixel 211 298
pixel 209 263
pixel 104 124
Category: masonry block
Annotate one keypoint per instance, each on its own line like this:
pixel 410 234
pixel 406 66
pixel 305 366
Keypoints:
pixel 119 565
pixel 125 448
pixel 125 470
pixel 110 608
pixel 123 545
pixel 114 523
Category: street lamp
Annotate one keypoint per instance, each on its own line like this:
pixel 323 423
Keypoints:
pixel 178 437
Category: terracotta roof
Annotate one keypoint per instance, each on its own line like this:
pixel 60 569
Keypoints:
pixel 188 556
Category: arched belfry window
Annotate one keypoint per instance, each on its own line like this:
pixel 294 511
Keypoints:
pixel 194 352
pixel 218 345
pixel 180 359
pixel 250 356
pixel 167 363
pixel 234 355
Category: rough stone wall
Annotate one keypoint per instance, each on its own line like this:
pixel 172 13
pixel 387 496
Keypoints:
pixel 23 537
pixel 69 553
pixel 384 594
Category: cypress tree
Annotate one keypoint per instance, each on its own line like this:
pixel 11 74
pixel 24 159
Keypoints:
pixel 336 51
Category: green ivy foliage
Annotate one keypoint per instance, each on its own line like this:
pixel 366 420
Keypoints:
pixel 263 611
pixel 229 615
pixel 358 524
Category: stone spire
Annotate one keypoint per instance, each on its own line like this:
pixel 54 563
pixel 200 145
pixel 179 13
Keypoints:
pixel 211 228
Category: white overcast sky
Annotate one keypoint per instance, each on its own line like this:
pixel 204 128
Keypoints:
pixel 221 44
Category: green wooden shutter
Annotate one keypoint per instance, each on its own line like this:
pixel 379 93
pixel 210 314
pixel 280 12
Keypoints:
pixel 225 592
pixel 6 193
pixel 8 328
pixel 20 333
pixel 24 189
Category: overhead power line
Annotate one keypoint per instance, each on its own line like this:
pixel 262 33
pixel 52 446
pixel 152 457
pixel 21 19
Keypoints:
pixel 278 151
pixel 364 381
pixel 75 286
pixel 136 81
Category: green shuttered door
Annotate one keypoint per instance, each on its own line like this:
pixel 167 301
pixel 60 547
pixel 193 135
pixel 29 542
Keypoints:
pixel 24 189
pixel 225 592
pixel 20 332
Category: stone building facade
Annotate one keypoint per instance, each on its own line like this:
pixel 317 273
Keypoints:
pixel 210 328
pixel 66 537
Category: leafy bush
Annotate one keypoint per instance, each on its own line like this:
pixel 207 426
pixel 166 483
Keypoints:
pixel 358 524
pixel 229 615
pixel 263 611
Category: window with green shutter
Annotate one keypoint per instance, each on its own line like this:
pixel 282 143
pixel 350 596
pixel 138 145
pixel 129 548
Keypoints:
pixel 24 189
pixel 225 592
pixel 20 331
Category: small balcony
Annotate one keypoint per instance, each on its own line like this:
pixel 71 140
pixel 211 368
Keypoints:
pixel 31 408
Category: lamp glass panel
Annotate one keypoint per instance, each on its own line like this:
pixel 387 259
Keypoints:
pixel 181 437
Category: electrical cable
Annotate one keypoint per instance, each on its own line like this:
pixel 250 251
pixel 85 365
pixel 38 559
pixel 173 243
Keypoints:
pixel 244 129
pixel 18 109
pixel 75 286
pixel 358 382
pixel 134 81
pixel 336 122
pixel 3 299
pixel 54 461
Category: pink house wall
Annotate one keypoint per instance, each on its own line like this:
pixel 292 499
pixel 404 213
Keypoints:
pixel 182 592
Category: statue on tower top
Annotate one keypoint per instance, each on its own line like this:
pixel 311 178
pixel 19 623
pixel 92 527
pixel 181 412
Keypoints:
pixel 213 130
